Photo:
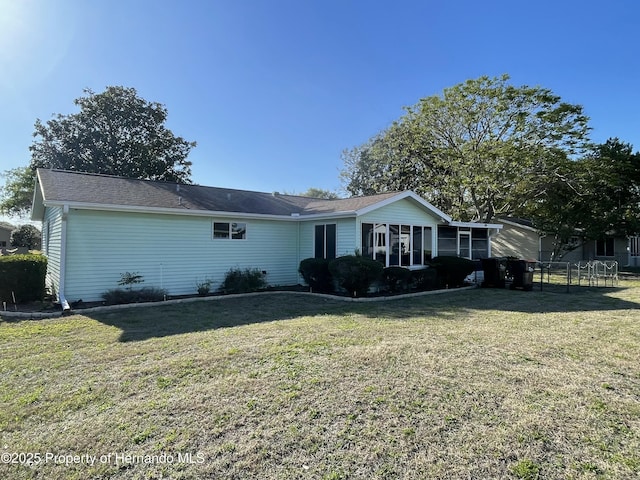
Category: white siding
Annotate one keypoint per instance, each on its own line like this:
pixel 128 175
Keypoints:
pixel 345 236
pixel 51 245
pixel 171 252
pixel 404 211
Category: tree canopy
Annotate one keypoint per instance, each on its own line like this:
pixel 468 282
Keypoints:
pixel 26 236
pixel 115 132
pixel 475 151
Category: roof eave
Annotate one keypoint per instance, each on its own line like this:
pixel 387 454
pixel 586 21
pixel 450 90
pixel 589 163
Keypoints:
pixel 195 213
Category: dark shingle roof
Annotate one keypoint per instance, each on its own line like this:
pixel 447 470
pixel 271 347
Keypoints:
pixel 95 189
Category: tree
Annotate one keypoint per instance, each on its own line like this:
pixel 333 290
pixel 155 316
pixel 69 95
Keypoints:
pixel 17 194
pixel 474 151
pixel 320 193
pixel 115 132
pixel 26 236
pixel 593 196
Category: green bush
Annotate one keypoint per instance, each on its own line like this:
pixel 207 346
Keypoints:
pixel 316 274
pixel 424 279
pixel 118 296
pixel 237 280
pixel 355 274
pixel 396 279
pixel 452 270
pixel 22 276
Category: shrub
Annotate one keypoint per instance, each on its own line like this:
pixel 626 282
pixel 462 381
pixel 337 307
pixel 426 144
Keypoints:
pixel 237 280
pixel 396 279
pixel 204 287
pixel 355 273
pixel 452 270
pixel 119 296
pixel 316 274
pixel 424 279
pixel 22 276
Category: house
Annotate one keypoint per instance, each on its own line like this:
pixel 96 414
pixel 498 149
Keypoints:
pixel 5 234
pixel 519 238
pixel 96 227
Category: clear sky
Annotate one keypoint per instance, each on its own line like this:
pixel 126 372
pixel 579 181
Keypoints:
pixel 274 90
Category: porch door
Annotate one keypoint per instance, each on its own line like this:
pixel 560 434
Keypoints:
pixel 464 242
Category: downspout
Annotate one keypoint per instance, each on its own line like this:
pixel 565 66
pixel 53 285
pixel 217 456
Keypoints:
pixel 63 259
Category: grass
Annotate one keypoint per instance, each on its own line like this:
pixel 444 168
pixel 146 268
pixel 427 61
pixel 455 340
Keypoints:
pixel 471 384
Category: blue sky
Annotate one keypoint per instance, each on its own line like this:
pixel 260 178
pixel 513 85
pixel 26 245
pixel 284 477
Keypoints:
pixel 274 90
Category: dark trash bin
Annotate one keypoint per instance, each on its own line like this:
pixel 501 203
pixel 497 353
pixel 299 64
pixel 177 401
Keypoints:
pixel 494 272
pixel 521 271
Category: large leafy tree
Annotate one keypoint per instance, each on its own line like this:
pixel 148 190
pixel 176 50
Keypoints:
pixel 588 198
pixel 26 236
pixel 473 151
pixel 115 132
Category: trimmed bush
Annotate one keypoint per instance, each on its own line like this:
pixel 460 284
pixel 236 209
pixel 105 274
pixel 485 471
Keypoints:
pixel 424 279
pixel 24 275
pixel 396 279
pixel 248 280
pixel 452 270
pixel 355 274
pixel 316 274
pixel 118 296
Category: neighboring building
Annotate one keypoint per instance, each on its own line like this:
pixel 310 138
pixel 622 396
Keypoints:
pixel 96 227
pixel 519 238
pixel 5 234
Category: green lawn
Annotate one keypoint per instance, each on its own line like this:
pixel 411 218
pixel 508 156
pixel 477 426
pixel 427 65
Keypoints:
pixel 470 384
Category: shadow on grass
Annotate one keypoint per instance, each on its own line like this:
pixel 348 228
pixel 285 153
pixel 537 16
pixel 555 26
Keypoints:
pixel 165 320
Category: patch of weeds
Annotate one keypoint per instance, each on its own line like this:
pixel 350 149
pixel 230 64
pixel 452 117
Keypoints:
pixel 163 382
pixel 335 475
pixel 143 436
pixel 598 406
pixel 588 467
pixel 526 470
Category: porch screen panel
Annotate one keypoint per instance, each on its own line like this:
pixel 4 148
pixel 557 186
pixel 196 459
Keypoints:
pixel 366 244
pixel 479 243
pixel 427 245
pixel 447 241
pixel 417 246
pixel 405 245
pixel 394 245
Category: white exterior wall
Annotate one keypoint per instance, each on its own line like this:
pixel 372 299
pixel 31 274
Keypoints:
pixel 52 245
pixel 345 236
pixel 170 251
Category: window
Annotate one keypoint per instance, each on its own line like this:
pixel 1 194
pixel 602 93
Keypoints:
pixel 634 246
pixel 325 241
pixel 604 247
pixel 233 231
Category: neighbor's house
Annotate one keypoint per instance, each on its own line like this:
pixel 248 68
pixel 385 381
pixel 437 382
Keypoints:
pixel 5 234
pixel 96 227
pixel 519 238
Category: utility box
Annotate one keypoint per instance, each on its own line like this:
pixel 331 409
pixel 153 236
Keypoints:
pixel 521 271
pixel 495 270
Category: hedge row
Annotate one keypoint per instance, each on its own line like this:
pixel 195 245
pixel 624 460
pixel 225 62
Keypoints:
pixel 356 274
pixel 22 278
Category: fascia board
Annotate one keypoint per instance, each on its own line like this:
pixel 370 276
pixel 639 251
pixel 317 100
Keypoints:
pixel 196 213
pixel 496 226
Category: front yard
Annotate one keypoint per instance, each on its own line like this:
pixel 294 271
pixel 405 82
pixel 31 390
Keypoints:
pixel 469 384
